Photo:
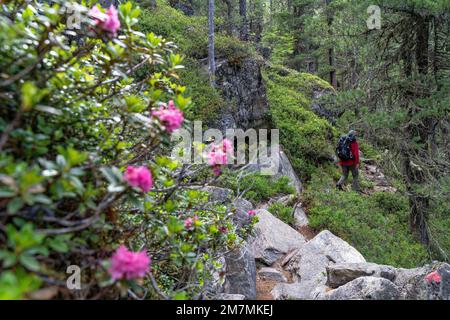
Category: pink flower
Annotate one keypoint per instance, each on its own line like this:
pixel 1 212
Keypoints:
pixel 433 277
pixel 109 22
pixel 129 265
pixel 225 145
pixel 169 116
pixel 251 213
pixel 223 229
pixel 97 15
pixel 216 157
pixel 112 23
pixel 217 171
pixel 188 223
pixel 139 177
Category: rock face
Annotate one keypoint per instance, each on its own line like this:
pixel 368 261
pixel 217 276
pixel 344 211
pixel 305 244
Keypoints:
pixel 273 238
pixel 241 217
pixel 300 218
pixel 341 273
pixel 414 286
pixel 242 85
pixel 240 275
pixel 217 194
pixel 272 274
pixel 229 296
pixel 308 266
pixel 323 109
pixel 366 288
pixel 284 169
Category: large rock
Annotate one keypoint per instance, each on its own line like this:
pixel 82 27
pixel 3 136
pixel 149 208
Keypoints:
pixel 217 194
pixel 324 104
pixel 311 260
pixel 229 296
pixel 414 286
pixel 287 170
pixel 284 169
pixel 308 265
pixel 341 273
pixel 273 238
pixel 366 288
pixel 306 290
pixel 242 85
pixel 300 218
pixel 241 208
pixel 272 274
pixel 240 273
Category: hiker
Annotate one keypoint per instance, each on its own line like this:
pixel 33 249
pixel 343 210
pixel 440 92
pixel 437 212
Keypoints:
pixel 348 153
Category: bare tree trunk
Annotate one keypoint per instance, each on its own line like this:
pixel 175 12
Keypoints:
pixel 244 22
pixel 211 57
pixel 331 59
pixel 230 27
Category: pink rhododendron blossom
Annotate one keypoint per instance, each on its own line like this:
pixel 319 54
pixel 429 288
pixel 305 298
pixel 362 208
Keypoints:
pixel 112 22
pixel 217 171
pixel 433 277
pixel 129 265
pixel 223 229
pixel 216 157
pixel 97 15
pixel 225 145
pixel 170 116
pixel 108 21
pixel 251 213
pixel 139 177
pixel 188 223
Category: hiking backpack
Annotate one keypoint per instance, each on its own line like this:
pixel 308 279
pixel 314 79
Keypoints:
pixel 343 149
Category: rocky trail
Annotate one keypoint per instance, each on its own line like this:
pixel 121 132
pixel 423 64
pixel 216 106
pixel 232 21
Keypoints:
pixel 283 262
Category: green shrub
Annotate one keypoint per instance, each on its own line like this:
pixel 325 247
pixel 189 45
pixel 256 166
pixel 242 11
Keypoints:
pixel 305 136
pixel 282 212
pixel 257 187
pixel 74 117
pixel 207 101
pixel 376 225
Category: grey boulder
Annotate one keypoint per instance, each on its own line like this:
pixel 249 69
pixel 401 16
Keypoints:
pixel 341 273
pixel 272 274
pixel 273 238
pixel 240 273
pixel 366 288
pixel 414 286
pixel 308 265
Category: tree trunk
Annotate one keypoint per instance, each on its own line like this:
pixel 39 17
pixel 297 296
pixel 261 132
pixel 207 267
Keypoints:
pixel 419 203
pixel 331 58
pixel 244 22
pixel 211 57
pixel 230 27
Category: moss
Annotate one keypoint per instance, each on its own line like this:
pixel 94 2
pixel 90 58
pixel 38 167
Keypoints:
pixel 190 34
pixel 306 137
pixel 206 100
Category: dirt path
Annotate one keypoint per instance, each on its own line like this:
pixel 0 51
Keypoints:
pixel 374 174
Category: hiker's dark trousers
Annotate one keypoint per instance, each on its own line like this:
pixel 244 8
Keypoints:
pixel 355 174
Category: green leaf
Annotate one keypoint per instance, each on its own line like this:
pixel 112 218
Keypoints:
pixel 14 205
pixel 29 262
pixel 58 244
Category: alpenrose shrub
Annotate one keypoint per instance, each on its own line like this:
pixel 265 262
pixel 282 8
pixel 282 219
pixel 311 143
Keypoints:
pixel 85 179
